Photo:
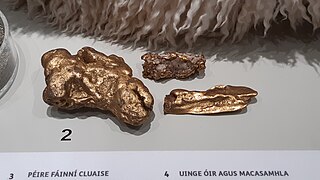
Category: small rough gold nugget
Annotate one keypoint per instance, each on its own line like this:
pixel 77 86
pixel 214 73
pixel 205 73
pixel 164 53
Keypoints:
pixel 172 65
pixel 94 80
pixel 215 100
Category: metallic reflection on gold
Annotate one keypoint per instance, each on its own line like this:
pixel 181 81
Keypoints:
pixel 92 79
pixel 215 100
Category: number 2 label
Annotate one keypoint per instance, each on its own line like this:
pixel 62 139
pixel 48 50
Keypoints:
pixel 66 137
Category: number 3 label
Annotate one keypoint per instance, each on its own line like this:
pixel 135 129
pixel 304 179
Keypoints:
pixel 11 176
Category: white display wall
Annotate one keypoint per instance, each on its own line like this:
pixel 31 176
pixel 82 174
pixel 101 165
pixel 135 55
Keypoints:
pixel 284 116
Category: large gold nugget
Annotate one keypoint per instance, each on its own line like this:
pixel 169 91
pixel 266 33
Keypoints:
pixel 215 100
pixel 172 65
pixel 92 79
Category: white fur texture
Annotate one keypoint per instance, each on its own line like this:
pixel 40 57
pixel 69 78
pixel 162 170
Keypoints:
pixel 171 21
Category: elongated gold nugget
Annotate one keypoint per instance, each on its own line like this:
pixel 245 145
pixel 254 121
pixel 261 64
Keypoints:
pixel 172 65
pixel 215 100
pixel 95 80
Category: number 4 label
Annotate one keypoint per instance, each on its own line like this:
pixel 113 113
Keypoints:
pixel 166 174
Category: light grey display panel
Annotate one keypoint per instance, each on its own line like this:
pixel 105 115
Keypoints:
pixel 284 116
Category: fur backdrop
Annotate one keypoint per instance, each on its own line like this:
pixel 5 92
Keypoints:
pixel 172 22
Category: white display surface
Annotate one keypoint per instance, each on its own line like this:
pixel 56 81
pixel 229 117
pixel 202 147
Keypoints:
pixel 284 116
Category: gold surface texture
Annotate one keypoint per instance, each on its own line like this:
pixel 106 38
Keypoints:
pixel 94 80
pixel 215 100
pixel 172 65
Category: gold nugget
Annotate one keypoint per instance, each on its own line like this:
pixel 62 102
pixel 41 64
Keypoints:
pixel 95 80
pixel 172 65
pixel 215 100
